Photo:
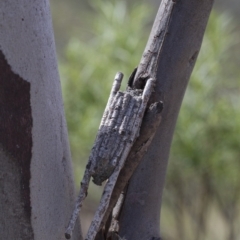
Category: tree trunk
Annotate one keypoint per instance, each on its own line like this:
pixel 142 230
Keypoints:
pixel 140 217
pixel 36 182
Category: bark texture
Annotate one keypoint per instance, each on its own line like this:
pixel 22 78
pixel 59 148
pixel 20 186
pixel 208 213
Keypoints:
pixel 140 217
pixel 36 183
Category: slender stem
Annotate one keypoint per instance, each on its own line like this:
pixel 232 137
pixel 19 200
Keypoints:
pixel 82 195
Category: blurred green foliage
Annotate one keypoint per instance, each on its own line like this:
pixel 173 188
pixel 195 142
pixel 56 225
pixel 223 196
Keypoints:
pixel 204 161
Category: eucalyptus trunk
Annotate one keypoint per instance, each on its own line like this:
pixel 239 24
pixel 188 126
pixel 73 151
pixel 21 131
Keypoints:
pixel 36 181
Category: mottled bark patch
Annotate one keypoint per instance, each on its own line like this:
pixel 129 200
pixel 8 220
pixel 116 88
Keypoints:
pixel 16 125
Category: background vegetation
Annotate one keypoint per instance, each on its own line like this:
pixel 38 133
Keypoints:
pixel 202 194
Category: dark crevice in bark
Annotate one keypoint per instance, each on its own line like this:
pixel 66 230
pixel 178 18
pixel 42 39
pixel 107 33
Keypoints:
pixel 16 126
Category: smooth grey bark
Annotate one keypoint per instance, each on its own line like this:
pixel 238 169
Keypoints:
pixel 36 183
pixel 140 216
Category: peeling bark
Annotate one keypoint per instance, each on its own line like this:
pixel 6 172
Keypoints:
pixel 16 124
pixel 16 142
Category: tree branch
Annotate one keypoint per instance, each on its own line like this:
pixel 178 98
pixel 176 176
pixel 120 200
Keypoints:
pixel 140 217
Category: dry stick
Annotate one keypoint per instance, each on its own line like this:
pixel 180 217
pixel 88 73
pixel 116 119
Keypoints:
pixel 82 195
pixel 151 120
